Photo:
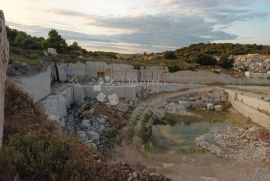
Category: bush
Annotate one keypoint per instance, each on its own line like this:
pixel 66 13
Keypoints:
pixel 170 55
pixel 34 148
pixel 225 62
pixel 174 68
pixel 38 158
pixel 204 59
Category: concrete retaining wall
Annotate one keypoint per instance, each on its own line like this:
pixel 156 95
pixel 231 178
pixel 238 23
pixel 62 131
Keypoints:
pixel 247 110
pixel 37 86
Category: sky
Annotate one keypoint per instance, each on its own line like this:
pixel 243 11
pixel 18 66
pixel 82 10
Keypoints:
pixel 133 26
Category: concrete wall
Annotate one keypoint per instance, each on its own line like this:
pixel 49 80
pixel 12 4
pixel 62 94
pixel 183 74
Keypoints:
pixel 37 86
pixel 244 107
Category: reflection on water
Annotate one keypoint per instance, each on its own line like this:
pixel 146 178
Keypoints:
pixel 180 133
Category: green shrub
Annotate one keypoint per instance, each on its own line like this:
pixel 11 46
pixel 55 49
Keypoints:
pixel 37 157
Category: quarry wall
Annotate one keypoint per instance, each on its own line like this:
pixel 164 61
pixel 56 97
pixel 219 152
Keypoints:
pixel 4 56
pixel 127 73
pixel 137 80
pixel 37 86
pixel 250 107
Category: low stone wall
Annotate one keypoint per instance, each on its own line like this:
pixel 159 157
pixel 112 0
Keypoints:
pixel 248 106
pixel 37 86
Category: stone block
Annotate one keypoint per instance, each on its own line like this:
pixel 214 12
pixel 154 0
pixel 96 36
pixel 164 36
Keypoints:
pixel 78 94
pixel 218 108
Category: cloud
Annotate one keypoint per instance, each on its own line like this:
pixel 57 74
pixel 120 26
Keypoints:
pixel 171 24
pixel 157 30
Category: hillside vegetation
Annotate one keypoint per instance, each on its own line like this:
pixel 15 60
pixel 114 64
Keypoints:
pixel 28 49
pixel 25 48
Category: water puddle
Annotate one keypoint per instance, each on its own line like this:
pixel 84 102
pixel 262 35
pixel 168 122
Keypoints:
pixel 177 133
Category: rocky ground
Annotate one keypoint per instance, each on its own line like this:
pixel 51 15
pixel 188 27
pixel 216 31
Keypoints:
pixel 236 143
pixel 97 124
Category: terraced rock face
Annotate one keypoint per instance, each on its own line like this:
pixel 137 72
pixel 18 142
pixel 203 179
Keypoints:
pixel 4 53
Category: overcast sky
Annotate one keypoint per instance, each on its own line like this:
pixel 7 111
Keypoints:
pixel 143 25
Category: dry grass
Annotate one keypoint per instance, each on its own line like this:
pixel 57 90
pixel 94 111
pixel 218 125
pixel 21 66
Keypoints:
pixel 34 148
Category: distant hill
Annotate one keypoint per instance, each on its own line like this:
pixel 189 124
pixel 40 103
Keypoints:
pixel 29 49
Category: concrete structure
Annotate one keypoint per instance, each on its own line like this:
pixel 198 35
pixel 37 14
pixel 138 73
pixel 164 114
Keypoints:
pixel 4 56
pixel 250 107
pixel 37 86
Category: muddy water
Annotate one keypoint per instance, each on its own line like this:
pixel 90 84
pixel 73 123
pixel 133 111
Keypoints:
pixel 173 153
pixel 179 135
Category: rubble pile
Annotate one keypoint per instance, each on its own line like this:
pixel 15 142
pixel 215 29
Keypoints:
pixel 252 62
pixel 211 100
pixel 236 143
pixel 92 129
pixel 136 173
pixel 173 108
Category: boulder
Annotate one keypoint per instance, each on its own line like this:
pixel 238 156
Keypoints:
pixel 113 99
pixel 210 106
pixel 82 135
pixel 85 124
pixel 93 136
pixel 101 97
pixel 88 113
pixel 218 108
pixel 4 56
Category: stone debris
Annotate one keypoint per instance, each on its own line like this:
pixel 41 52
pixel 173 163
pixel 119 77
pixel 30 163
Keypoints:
pixel 210 106
pixel 101 97
pixel 113 99
pixel 236 143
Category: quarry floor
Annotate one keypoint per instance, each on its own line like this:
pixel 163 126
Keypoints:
pixel 193 166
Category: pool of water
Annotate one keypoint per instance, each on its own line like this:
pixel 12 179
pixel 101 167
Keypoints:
pixel 178 133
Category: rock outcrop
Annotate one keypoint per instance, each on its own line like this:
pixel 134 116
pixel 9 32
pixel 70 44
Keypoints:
pixel 4 53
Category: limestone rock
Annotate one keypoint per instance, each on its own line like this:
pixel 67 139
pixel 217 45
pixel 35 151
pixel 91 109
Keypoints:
pixel 93 136
pixel 85 124
pixel 218 108
pixel 4 56
pixel 82 136
pixel 78 93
